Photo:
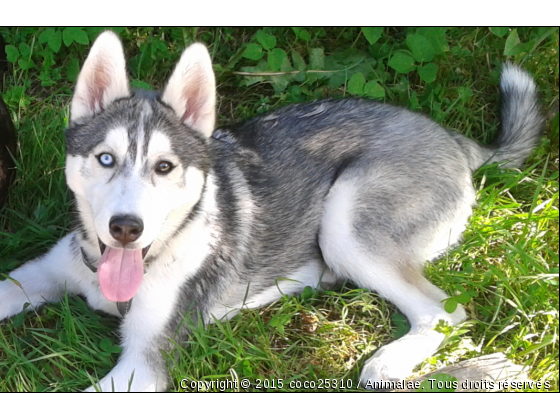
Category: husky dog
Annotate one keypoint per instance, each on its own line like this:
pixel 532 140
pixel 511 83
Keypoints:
pixel 177 220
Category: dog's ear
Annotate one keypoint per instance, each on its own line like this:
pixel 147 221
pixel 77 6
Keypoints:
pixel 102 79
pixel 191 90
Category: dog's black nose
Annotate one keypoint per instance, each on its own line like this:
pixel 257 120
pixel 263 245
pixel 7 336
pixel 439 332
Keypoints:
pixel 126 228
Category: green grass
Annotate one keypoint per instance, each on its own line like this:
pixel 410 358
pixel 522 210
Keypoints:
pixel 505 271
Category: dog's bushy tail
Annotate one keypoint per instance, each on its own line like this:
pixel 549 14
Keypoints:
pixel 521 119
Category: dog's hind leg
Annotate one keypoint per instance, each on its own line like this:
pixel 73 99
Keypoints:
pixel 366 252
pixel 420 301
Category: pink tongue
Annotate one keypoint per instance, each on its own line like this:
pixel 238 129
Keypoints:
pixel 120 273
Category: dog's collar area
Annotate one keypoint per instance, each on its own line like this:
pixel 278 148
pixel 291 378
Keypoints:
pixel 87 262
pixel 124 307
pixel 102 246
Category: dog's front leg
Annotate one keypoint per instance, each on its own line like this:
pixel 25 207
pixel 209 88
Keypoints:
pixel 141 367
pixel 44 279
pixel 138 370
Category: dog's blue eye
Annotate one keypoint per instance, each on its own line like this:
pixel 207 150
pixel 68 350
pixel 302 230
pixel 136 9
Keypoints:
pixel 106 159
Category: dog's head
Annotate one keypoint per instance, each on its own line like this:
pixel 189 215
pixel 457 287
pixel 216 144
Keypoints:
pixel 137 161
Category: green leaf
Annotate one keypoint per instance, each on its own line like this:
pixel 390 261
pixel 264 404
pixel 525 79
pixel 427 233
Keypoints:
pixel 12 53
pixel 356 84
pixel 67 36
pixel 26 63
pixel 45 35
pixel 107 346
pixel 72 69
pixel 500 31
pixel 253 52
pixel 436 36
pixel 17 321
pixel 317 58
pixel 280 83
pixel 300 77
pixel 299 62
pixel 428 72
pixel 372 34
pixel 463 298
pixel 420 47
pixel 302 34
pixel 374 90
pixel 80 36
pixel 401 62
pixel 511 42
pixel 267 41
pixel 55 41
pixel 15 95
pixel 25 50
pixel 275 58
pixel 450 305
pixel 307 292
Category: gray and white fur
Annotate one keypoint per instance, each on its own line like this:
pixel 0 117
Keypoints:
pixel 316 193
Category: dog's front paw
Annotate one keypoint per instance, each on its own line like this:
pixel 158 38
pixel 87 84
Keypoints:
pixel 12 299
pixel 121 379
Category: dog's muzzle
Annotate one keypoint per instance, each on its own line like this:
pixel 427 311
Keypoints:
pixel 107 275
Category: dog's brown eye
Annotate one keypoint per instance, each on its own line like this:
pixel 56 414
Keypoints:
pixel 164 167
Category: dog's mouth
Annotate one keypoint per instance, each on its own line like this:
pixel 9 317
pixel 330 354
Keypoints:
pixel 103 247
pixel 120 272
